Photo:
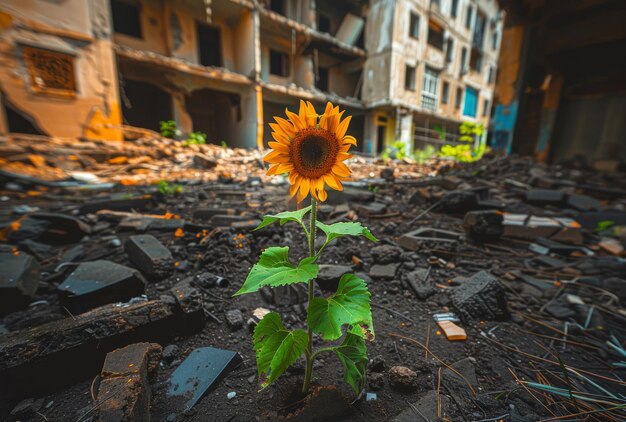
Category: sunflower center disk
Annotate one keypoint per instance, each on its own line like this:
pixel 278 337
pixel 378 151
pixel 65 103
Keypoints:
pixel 314 152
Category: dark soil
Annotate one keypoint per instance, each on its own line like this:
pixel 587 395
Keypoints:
pixel 399 316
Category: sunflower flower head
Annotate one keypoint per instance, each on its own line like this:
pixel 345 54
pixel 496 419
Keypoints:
pixel 312 148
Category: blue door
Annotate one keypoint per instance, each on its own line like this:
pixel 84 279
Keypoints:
pixel 471 102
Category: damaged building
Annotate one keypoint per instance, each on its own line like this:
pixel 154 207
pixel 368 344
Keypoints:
pixel 408 70
pixel 561 93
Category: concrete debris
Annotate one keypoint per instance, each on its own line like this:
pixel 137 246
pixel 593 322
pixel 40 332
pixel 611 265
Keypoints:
pixel 19 280
pixel 403 378
pixel 149 255
pixel 480 298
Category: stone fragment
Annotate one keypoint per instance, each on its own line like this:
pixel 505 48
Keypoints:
pixel 170 353
pixel 414 240
pixel 234 319
pixel 61 352
pixel 19 280
pixel 428 407
pixel 149 255
pixel 483 226
pixel 451 182
pixel 189 300
pixel 202 161
pixel 227 220
pixel 199 372
pixel 329 276
pixel 205 214
pixel 386 254
pixel 376 381
pixel 118 202
pixel 542 197
pixel 50 228
pixel 403 378
pixel 124 393
pixel 377 364
pixel 583 203
pixel 480 298
pixel 97 283
pixel 459 381
pixel 384 272
pixel 366 210
pixel 387 174
pixel 418 281
pixel 349 194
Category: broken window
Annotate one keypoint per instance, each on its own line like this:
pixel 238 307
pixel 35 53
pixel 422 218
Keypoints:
pixel 479 31
pixel 323 23
pixel 494 40
pixel 209 45
pixel 414 25
pixel 409 78
pixel 454 8
pixel 430 89
pixel 457 100
pixel 449 50
pixel 463 61
pixel 485 107
pixel 322 79
pixel 126 18
pixel 435 35
pixel 445 93
pixel 471 102
pixel 50 72
pixel 146 104
pixel 279 63
pixel 468 17
pixel 476 60
pixel 278 6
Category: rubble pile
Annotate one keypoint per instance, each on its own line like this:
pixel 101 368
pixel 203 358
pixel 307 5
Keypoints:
pixel 498 288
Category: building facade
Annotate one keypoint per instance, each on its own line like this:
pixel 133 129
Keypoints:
pixel 406 70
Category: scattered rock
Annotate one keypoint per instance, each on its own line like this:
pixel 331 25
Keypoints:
pixel 19 280
pixel 149 255
pixel 428 408
pixel 170 353
pixel 329 276
pixel 402 378
pixel 377 364
pixel 418 281
pixel 384 272
pixel 483 226
pixel 386 254
pixel 376 381
pixel 50 228
pixel 480 298
pixel 234 319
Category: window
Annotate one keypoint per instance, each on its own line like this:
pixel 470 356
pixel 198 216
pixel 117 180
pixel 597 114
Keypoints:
pixel 429 89
pixel 449 50
pixel 479 31
pixel 494 40
pixel 468 17
pixel 414 25
pixel 126 18
pixel 323 23
pixel 322 79
pixel 458 99
pixel 463 61
pixel 491 75
pixel 471 102
pixel 50 72
pixel 209 45
pixel 435 35
pixel 476 60
pixel 279 63
pixel 485 107
pixel 409 78
pixel 445 93
pixel 435 4
pixel 278 6
pixel 455 8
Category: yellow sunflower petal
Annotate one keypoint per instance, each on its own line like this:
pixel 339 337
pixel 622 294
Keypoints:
pixel 281 137
pixel 284 168
pixel 303 191
pixel 276 157
pixel 272 170
pixel 344 148
pixel 292 190
pixel 322 195
pixel 343 127
pixel 286 126
pixel 340 169
pixel 349 139
pixel 333 182
pixel 333 123
pixel 295 119
pixel 341 156
pixel 277 146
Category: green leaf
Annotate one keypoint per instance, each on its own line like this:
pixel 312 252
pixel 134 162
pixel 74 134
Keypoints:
pixel 350 304
pixel 353 355
pixel 275 269
pixel 284 217
pixel 276 347
pixel 337 230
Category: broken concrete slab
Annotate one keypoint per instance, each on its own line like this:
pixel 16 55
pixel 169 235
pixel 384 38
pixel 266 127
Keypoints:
pixel 386 254
pixel 190 308
pixel 199 372
pixel 350 194
pixel 366 210
pixel 50 228
pixel 149 255
pixel 384 272
pixel 118 202
pixel 427 408
pixel 329 275
pixel 61 352
pixel 530 227
pixel 19 280
pixel 234 319
pixel 459 381
pixel 124 393
pixel 542 197
pixel 480 298
pixel 205 214
pixel 226 220
pixel 483 226
pixel 414 240
pixel 141 223
pixel 583 203
pixel 97 283
pixel 418 280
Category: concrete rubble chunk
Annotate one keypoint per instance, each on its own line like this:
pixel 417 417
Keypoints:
pixel 124 392
pixel 403 378
pixel 50 228
pixel 370 209
pixel 206 213
pixel 427 407
pixel 118 202
pixel 414 240
pixel 329 276
pixel 543 197
pixel 19 280
pixel 227 220
pixel 198 373
pixel 483 226
pixel 234 319
pixel 386 254
pixel 480 298
pixel 419 283
pixel 190 309
pixel 61 352
pixel 384 272
pixel 97 283
pixel 149 255
pixel 583 203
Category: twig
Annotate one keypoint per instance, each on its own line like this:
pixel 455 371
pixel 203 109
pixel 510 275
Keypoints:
pixel 393 312
pixel 427 341
pixel 416 410
pixel 426 211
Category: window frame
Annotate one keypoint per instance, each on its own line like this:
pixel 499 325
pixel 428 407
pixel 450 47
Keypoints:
pixel 430 89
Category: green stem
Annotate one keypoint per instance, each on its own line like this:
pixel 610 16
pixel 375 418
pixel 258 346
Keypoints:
pixel 309 352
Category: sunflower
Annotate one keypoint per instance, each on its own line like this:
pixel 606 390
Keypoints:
pixel 312 149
